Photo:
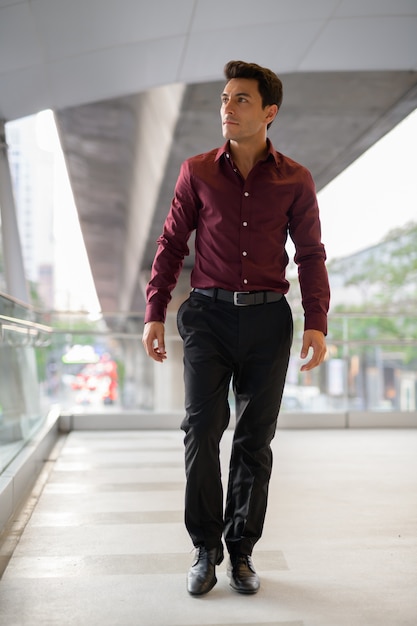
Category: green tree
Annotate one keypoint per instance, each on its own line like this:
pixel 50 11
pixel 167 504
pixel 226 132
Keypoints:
pixel 387 277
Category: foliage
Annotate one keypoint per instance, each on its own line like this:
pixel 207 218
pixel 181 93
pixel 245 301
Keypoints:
pixel 385 279
pixel 386 274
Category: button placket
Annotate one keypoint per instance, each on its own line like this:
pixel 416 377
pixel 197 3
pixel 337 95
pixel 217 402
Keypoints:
pixel 245 235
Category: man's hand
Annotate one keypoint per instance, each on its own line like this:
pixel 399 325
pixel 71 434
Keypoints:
pixel 153 341
pixel 313 339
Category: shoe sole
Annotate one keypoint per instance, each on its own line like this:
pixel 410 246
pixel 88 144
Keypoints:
pixel 245 592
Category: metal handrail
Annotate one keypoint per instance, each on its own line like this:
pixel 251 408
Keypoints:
pixel 28 333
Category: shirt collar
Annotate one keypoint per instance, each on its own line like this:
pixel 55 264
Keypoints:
pixel 272 153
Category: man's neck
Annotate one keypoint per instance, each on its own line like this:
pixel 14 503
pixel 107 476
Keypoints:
pixel 246 155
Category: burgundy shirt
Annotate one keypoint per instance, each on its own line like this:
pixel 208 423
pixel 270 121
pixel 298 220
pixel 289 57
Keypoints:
pixel 241 230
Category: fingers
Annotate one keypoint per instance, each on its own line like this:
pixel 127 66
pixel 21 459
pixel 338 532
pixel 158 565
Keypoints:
pixel 153 340
pixel 312 363
pixel 313 339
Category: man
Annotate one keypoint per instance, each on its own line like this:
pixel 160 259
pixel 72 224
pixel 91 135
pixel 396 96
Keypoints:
pixel 242 200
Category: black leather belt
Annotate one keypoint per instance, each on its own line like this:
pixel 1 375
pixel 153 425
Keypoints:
pixel 240 298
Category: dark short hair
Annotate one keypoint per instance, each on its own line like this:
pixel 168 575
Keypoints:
pixel 269 85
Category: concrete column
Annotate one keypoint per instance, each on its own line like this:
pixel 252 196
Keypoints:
pixel 16 284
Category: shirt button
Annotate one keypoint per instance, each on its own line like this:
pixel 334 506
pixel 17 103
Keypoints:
pixel 245 281
pixel 246 193
pixel 227 155
pixel 244 253
pixel 245 223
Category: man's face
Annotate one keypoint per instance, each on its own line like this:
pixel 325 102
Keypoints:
pixel 243 116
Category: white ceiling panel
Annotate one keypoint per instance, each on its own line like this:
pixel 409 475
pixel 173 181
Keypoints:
pixel 375 8
pixel 365 44
pixel 7 3
pixel 126 70
pixel 27 92
pixel 219 15
pixel 19 42
pixel 71 28
pixel 207 52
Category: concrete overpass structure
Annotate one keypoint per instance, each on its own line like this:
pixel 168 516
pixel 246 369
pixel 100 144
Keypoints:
pixel 135 87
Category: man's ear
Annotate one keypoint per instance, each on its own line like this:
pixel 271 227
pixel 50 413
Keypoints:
pixel 272 112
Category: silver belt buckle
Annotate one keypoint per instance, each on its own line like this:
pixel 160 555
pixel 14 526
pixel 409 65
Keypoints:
pixel 236 295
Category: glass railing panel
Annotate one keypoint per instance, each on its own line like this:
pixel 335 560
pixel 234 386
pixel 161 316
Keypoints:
pixel 83 364
pixel 371 366
pixel 21 409
pixel 98 364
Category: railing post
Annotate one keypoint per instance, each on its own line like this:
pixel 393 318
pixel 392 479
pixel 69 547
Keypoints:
pixel 16 284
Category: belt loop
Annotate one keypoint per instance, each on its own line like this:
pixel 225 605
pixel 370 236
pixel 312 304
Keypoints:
pixel 214 296
pixel 265 294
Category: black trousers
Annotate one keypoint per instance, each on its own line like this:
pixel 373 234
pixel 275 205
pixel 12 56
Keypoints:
pixel 249 346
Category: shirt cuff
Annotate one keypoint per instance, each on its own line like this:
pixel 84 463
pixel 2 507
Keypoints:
pixel 316 321
pixel 154 313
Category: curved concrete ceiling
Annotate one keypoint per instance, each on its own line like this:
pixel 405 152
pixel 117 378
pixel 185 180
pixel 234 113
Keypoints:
pixel 135 87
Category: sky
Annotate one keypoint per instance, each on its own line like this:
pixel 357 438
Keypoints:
pixel 74 283
pixel 374 195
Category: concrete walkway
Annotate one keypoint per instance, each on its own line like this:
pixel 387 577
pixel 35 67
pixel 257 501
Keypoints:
pixel 106 546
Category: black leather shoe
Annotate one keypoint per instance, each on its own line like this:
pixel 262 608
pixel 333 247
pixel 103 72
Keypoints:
pixel 242 574
pixel 202 574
